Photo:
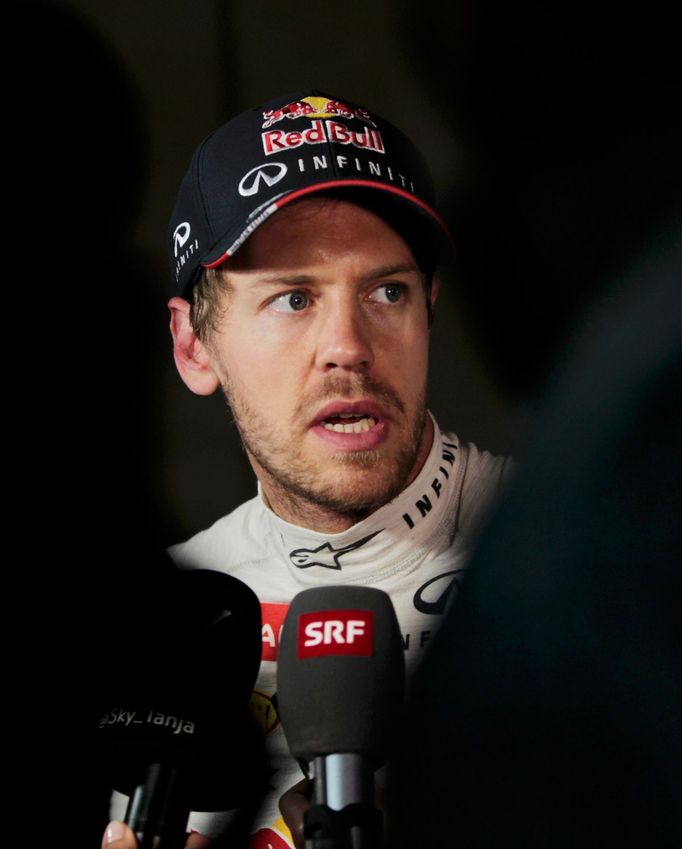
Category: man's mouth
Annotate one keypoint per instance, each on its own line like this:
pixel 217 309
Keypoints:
pixel 361 425
pixel 349 423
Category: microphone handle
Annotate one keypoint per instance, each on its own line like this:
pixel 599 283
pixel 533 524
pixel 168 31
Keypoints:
pixel 158 809
pixel 343 814
pixel 341 780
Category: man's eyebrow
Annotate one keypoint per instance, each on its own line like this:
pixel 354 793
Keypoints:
pixel 282 280
pixel 388 270
pixel 305 279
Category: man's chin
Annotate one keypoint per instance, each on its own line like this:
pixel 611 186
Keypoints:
pixel 358 487
pixel 315 488
pixel 358 460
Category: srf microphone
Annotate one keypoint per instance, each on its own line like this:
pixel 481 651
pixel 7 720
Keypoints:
pixel 176 731
pixel 340 687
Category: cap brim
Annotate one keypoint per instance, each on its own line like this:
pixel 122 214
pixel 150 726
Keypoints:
pixel 443 246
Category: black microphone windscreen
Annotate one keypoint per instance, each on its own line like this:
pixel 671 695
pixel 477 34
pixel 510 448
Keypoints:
pixel 180 697
pixel 341 673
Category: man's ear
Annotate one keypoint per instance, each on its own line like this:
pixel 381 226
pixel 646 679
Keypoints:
pixel 432 298
pixel 190 355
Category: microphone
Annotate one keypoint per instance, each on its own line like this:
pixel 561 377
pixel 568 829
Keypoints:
pixel 176 732
pixel 341 676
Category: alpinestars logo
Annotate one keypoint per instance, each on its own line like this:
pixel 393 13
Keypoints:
pixel 304 558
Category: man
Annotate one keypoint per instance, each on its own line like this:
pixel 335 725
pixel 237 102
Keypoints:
pixel 304 243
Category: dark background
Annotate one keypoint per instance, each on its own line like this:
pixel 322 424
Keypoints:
pixel 553 131
pixel 553 135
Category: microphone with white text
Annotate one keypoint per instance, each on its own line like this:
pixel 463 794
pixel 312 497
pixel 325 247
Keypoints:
pixel 341 678
pixel 175 728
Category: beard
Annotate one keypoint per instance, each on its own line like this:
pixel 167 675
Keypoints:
pixel 349 483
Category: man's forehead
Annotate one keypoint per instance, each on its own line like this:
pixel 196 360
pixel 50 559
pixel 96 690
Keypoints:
pixel 318 229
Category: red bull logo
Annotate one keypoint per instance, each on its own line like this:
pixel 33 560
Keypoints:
pixel 273 616
pixel 314 107
pixel 263 710
pixel 268 838
pixel 319 132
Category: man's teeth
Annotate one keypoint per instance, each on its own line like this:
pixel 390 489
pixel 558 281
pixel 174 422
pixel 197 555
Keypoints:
pixel 360 426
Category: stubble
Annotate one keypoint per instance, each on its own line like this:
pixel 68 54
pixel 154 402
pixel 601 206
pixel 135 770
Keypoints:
pixel 353 484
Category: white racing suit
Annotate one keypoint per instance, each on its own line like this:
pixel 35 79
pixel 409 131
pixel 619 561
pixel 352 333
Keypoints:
pixel 414 548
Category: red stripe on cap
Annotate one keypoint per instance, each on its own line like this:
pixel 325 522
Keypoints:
pixel 216 262
pixel 371 184
pixel 335 184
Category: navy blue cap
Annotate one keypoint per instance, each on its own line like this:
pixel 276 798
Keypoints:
pixel 283 150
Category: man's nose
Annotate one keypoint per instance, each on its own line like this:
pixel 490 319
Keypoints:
pixel 345 340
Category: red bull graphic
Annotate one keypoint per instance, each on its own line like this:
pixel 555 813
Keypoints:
pixel 273 616
pixel 319 132
pixel 263 710
pixel 272 838
pixel 297 109
pixel 315 107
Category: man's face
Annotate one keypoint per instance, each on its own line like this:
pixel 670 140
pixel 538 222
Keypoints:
pixel 322 352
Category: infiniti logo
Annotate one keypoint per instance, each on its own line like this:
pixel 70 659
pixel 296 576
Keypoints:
pixel 432 596
pixel 180 235
pixel 270 173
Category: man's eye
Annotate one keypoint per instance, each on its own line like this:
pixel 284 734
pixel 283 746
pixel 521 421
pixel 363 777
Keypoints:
pixel 290 302
pixel 389 293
